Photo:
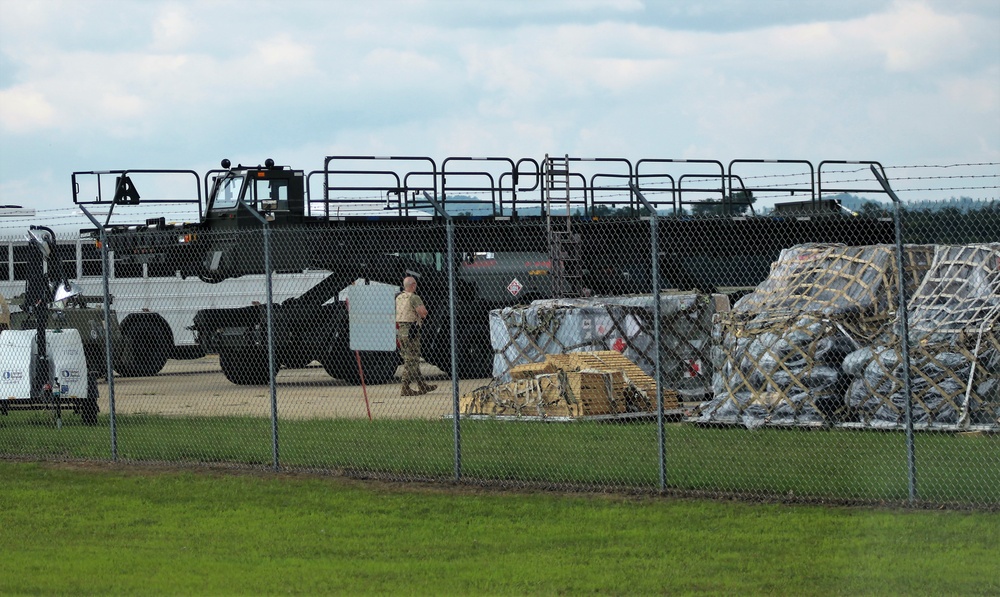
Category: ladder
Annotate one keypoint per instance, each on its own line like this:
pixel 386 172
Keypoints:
pixel 566 268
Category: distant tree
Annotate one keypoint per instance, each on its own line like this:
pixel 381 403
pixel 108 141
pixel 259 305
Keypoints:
pixel 870 209
pixel 951 225
pixel 604 210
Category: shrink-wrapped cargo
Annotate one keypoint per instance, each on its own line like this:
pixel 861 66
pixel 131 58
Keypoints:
pixel 778 353
pixel 954 349
pixel 525 334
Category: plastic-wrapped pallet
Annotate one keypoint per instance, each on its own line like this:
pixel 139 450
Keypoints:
pixel 778 353
pixel 954 349
pixel 521 335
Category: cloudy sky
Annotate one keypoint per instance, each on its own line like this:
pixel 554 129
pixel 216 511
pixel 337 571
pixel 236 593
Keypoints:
pixel 96 85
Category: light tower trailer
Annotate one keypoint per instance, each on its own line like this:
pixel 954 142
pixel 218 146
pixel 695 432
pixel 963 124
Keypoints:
pixel 46 369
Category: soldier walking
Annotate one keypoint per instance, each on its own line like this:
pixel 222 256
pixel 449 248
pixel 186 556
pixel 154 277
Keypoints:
pixel 410 315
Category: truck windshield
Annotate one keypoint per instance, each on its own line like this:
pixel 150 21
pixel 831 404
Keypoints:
pixel 228 192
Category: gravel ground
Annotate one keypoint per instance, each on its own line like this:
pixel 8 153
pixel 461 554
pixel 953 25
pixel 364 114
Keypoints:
pixel 198 388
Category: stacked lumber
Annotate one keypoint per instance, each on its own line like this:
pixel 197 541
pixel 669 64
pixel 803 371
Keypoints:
pixel 570 385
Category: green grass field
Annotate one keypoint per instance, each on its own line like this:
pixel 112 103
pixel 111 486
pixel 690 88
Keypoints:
pixel 811 464
pixel 110 530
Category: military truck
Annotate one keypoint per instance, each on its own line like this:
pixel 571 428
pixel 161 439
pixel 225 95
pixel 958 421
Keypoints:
pixel 380 218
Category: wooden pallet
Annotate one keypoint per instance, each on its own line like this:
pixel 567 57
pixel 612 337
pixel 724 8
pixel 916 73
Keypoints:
pixel 530 370
pixel 570 385
pixel 612 360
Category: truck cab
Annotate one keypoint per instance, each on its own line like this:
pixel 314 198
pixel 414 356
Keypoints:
pixel 275 191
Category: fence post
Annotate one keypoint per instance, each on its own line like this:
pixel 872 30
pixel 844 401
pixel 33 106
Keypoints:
pixel 654 232
pixel 903 328
pixel 108 352
pixel 270 334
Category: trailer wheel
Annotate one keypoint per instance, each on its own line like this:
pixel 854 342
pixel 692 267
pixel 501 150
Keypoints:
pixel 145 348
pixel 245 367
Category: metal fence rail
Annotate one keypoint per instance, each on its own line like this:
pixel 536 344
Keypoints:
pixel 761 356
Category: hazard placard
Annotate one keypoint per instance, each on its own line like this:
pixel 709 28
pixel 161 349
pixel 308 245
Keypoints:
pixel 514 287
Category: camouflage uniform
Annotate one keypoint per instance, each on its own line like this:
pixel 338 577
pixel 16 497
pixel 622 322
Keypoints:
pixel 408 333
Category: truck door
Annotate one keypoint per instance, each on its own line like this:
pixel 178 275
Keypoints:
pixel 278 198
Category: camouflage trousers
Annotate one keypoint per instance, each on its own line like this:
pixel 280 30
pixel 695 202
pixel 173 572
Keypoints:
pixel 409 349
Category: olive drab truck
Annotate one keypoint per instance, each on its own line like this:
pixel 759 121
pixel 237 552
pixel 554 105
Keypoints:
pixel 520 230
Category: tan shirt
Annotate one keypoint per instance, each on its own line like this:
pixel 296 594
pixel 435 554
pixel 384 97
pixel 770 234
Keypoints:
pixel 406 307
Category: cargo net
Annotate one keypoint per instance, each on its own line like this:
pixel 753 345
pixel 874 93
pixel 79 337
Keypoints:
pixel 954 349
pixel 526 334
pixel 778 353
pixel 576 385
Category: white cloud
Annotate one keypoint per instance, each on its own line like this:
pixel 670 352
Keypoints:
pixel 120 81
pixel 400 68
pixel 173 28
pixel 24 109
pixel 282 58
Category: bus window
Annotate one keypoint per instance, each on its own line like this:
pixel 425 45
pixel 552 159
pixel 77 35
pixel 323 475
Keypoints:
pixel 67 259
pixel 124 269
pixel 161 270
pixel 90 261
pixel 21 261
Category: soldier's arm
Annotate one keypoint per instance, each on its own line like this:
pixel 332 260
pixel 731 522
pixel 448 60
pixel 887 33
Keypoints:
pixel 419 307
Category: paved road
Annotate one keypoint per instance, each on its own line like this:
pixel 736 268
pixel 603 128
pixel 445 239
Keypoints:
pixel 198 388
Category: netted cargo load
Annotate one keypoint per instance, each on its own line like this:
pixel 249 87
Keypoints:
pixel 954 349
pixel 526 334
pixel 576 385
pixel 778 353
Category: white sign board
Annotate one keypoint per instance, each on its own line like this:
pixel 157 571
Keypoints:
pixel 372 316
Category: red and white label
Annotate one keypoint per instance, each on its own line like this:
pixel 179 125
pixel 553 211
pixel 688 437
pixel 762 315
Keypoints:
pixel 693 368
pixel 514 287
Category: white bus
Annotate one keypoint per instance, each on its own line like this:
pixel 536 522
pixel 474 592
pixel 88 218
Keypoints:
pixel 155 307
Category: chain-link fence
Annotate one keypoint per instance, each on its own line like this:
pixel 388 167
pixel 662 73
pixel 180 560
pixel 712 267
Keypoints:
pixel 769 360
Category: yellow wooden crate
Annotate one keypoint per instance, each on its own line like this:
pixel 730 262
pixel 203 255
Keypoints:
pixel 571 385
pixel 530 370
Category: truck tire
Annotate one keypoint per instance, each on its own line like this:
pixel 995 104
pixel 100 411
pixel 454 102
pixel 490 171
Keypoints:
pixel 88 407
pixel 295 358
pixel 248 367
pixel 379 366
pixel 475 361
pixel 145 349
